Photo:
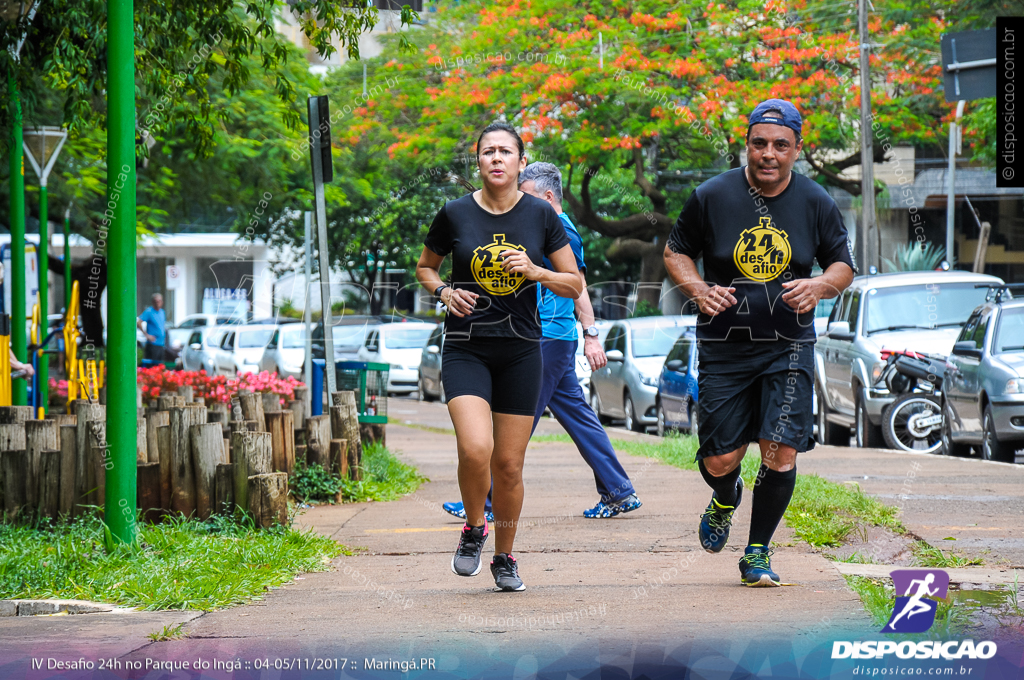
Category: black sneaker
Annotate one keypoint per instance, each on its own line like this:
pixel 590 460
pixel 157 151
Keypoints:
pixel 506 573
pixel 756 568
pixel 466 561
pixel 713 531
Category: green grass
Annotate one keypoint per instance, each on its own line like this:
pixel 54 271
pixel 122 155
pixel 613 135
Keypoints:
pixel 385 478
pixel 879 598
pixel 822 513
pixel 929 556
pixel 168 633
pixel 177 564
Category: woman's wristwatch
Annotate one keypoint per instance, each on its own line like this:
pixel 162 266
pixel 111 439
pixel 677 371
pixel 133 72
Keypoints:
pixel 437 291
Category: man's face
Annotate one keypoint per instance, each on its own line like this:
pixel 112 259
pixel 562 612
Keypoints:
pixel 530 187
pixel 158 302
pixel 771 152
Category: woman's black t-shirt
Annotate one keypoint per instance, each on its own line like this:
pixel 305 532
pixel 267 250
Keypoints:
pixel 507 306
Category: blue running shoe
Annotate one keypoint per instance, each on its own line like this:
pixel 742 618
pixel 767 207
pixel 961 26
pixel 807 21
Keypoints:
pixel 716 521
pixel 603 510
pixel 459 511
pixel 756 568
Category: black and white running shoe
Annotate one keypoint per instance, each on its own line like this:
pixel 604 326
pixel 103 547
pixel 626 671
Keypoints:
pixel 506 573
pixel 466 561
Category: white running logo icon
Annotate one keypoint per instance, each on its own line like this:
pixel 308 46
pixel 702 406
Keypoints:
pixel 914 604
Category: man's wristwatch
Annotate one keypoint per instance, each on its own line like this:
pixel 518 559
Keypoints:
pixel 591 332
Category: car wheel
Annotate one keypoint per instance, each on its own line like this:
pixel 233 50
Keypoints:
pixel 829 433
pixel 694 422
pixel 950 447
pixel 663 429
pixel 868 435
pixel 631 421
pixel 595 403
pixel 991 447
pixel 907 424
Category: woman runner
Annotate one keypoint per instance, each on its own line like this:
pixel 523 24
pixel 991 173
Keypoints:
pixel 491 356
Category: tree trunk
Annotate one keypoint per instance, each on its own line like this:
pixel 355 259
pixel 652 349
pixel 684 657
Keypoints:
pixel 318 440
pixel 252 409
pixel 271 402
pixel 163 446
pixel 67 469
pixel 153 421
pixel 268 499
pixel 39 435
pixel 62 419
pixel 49 483
pixel 373 433
pixel 141 441
pixel 280 425
pixel 169 401
pixel 224 489
pixel 148 490
pixel 252 456
pixel 185 392
pixel 12 437
pixel 183 485
pixel 345 425
pixel 14 468
pixel 343 397
pixel 339 457
pixel 298 409
pixel 96 441
pixel 14 414
pixel 85 413
pixel 207 454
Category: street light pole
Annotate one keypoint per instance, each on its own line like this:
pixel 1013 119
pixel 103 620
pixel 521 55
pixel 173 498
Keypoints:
pixel 19 390
pixel 867 182
pixel 122 377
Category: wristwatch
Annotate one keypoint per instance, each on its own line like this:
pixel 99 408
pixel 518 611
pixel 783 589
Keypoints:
pixel 437 291
pixel 591 332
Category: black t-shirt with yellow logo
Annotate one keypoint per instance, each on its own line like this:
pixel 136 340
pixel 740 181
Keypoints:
pixel 507 306
pixel 755 244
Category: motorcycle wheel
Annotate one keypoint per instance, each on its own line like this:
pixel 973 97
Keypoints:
pixel 900 428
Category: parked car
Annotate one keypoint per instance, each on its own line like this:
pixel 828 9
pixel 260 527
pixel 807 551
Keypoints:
pixel 241 349
pixel 429 384
pixel 199 353
pixel 983 403
pixel 676 404
pixel 348 333
pixel 917 311
pixel 200 320
pixel 401 346
pixel 286 352
pixel 627 388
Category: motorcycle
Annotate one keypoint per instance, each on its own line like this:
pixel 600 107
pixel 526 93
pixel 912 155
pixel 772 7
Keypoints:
pixel 913 421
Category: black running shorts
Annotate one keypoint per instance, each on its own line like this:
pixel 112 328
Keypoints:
pixel 754 390
pixel 506 372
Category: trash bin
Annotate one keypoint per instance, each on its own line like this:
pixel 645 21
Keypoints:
pixel 369 381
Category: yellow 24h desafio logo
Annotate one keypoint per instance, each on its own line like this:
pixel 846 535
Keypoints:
pixel 487 271
pixel 762 252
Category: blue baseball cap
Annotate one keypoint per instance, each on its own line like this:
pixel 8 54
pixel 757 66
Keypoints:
pixel 777 112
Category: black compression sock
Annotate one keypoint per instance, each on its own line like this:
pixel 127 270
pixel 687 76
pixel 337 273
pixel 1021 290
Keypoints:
pixel 772 493
pixel 724 486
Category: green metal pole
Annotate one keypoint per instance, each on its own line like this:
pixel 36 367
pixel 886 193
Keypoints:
pixel 67 259
pixel 44 298
pixel 121 374
pixel 19 388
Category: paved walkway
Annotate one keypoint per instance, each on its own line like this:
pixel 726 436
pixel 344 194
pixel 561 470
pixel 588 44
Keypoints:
pixel 601 587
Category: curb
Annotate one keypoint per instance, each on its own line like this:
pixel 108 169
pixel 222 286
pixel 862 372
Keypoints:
pixel 51 607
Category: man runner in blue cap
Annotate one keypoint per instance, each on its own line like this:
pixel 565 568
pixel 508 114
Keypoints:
pixel 759 229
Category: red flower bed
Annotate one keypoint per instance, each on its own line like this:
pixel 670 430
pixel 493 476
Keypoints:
pixel 158 380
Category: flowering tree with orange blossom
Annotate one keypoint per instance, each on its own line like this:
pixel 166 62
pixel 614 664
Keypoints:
pixel 666 108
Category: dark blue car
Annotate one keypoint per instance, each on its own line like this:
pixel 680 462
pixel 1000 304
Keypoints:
pixel 677 387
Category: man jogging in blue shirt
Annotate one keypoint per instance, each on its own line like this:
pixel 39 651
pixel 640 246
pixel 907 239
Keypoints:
pixel 156 324
pixel 560 390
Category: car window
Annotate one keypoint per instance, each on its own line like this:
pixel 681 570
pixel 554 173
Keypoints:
pixel 676 351
pixel 371 341
pixel 654 341
pixel 196 337
pixel 968 330
pixel 1009 336
pixel 609 341
pixel 273 340
pixel 435 337
pixel 199 322
pixel 214 338
pixel 187 323
pixel 406 336
pixel 853 313
pixel 228 342
pixel 293 337
pixel 841 308
pixel 933 305
pixel 254 338
pixel 979 332
pixel 685 347
pixel 348 337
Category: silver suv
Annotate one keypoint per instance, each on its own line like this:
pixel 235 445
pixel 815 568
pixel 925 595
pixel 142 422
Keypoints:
pixel 627 388
pixel 917 311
